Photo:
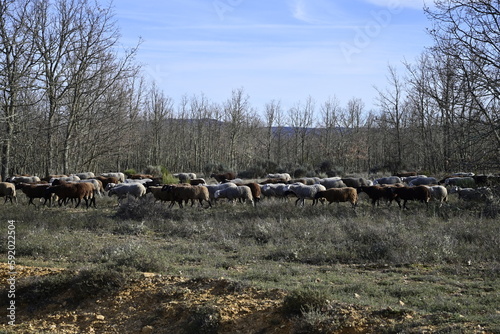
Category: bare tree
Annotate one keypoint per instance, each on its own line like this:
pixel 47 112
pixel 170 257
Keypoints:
pixel 330 113
pixel 353 121
pixel 469 33
pixel 158 109
pixel 301 120
pixel 236 114
pixel 272 115
pixel 93 68
pixel 16 78
pixel 391 105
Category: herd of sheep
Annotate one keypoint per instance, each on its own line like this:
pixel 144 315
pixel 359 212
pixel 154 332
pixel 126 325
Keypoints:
pixel 192 190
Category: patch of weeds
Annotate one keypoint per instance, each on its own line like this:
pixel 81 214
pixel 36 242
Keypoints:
pixel 102 279
pixel 139 209
pixel 315 322
pixel 306 299
pixel 131 228
pixel 261 232
pixel 143 258
pixel 204 319
pixel 284 255
pixel 72 287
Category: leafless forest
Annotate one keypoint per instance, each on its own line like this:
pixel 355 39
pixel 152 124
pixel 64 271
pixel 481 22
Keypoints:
pixel 73 99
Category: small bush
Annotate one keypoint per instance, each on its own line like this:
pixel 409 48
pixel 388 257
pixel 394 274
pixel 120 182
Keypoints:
pixel 129 172
pixel 145 258
pixel 204 319
pixel 139 209
pixel 74 287
pixel 101 279
pixel 306 299
pixel 156 171
pixel 169 179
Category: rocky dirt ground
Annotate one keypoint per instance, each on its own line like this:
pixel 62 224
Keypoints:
pixel 164 304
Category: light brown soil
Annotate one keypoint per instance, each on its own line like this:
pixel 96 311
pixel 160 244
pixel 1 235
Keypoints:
pixel 164 304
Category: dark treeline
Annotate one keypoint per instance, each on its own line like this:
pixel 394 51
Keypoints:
pixel 72 99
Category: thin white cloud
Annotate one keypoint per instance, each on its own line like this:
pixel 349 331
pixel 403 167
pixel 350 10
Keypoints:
pixel 413 4
pixel 315 11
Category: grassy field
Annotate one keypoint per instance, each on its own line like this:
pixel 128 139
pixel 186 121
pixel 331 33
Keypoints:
pixel 440 263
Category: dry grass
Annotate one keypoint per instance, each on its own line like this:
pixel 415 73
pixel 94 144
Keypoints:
pixel 438 261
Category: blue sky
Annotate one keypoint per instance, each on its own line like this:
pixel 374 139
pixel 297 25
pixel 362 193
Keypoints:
pixel 283 50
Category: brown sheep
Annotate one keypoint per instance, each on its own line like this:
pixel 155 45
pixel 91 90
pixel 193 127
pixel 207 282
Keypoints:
pixel 255 188
pixel 188 193
pixel 33 191
pixel 417 193
pixel 198 181
pixel 376 193
pixel 106 180
pixel 224 177
pixel 406 174
pixel 272 181
pixel 8 190
pixel 78 191
pixel 159 195
pixel 140 176
pixel 337 195
pixel 53 176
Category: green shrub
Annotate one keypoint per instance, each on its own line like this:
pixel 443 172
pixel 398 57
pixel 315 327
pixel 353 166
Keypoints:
pixel 156 171
pixel 141 257
pixel 204 319
pixel 73 286
pixel 306 299
pixel 129 172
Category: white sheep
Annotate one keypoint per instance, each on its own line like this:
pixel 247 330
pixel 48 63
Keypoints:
pixel 8 190
pixel 304 192
pixel 71 178
pixel 422 181
pixel 85 175
pixel 439 194
pixel 284 176
pixel 24 179
pixel 122 190
pixel 332 182
pixel 119 175
pixel 274 190
pixel 357 182
pixel 462 182
pixel 387 180
pixel 408 179
pixel 473 194
pixel 239 192
pixel 212 188
pixel 141 181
